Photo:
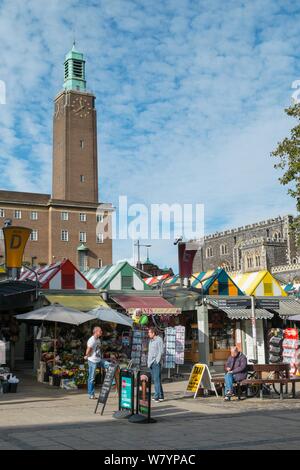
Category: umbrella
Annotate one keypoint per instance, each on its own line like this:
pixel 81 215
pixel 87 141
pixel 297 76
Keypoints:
pixel 58 314
pixel 110 315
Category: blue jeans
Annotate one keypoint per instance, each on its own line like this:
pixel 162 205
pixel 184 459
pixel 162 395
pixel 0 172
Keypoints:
pixel 92 372
pixel 229 380
pixel 156 379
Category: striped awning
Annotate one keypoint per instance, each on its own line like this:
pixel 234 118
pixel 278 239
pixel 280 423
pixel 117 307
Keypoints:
pixel 242 313
pixel 147 305
pixel 245 313
pixel 288 307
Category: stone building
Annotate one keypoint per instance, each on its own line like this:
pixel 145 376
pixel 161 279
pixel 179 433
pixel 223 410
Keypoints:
pixel 260 246
pixel 70 223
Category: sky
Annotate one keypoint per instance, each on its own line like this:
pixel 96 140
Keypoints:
pixel 190 101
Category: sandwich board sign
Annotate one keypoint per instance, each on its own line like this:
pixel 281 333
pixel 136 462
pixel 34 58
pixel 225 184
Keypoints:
pixel 105 389
pixel 200 378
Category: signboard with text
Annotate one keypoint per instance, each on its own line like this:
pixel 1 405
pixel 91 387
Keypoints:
pixel 200 378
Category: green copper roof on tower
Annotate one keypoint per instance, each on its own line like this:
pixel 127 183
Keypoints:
pixel 74 70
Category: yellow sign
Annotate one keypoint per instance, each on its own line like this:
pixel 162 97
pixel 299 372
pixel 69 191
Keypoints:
pixel 195 378
pixel 15 239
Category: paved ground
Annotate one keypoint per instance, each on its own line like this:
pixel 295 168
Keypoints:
pixel 42 417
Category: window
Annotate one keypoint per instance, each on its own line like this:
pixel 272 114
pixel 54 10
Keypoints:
pixel 82 179
pixel 250 262
pixel 277 236
pixel 82 237
pixel 1 234
pixel 34 216
pixel 268 233
pixel 34 236
pixel 99 238
pixel 81 144
pixel 268 289
pixel 100 263
pixel 18 215
pixel 127 282
pixel 65 216
pixel 257 259
pixel 2 213
pixel 100 218
pixel 223 249
pixel 209 252
pixel 64 236
pixel 82 217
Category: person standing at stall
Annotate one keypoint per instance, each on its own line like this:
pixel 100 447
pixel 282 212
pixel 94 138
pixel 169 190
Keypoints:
pixel 155 353
pixel 94 357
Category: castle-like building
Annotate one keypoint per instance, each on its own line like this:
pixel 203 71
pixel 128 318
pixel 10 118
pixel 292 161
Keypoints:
pixel 267 245
pixel 71 223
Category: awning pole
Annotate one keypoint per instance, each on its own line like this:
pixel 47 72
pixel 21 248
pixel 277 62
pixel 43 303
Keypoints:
pixel 253 322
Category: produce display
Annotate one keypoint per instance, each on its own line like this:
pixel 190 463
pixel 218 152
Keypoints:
pixel 68 369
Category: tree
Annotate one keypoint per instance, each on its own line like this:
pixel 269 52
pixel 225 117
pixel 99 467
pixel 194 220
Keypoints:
pixel 288 155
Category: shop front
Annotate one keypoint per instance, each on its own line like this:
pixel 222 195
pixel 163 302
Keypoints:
pixel 150 310
pixel 69 367
pixel 16 297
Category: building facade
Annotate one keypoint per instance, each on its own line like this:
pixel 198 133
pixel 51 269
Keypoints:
pixel 256 247
pixel 71 223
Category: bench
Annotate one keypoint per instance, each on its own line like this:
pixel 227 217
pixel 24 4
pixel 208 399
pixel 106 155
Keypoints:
pixel 281 377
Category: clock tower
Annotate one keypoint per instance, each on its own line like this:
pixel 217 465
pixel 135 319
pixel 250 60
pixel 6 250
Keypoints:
pixel 75 170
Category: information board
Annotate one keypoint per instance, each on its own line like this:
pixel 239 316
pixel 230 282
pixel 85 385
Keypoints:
pixel 106 386
pixel 126 395
pixel 200 378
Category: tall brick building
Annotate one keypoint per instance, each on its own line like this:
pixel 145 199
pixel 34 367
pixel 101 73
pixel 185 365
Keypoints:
pixel 260 246
pixel 71 223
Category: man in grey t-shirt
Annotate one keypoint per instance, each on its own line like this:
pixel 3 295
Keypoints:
pixel 155 353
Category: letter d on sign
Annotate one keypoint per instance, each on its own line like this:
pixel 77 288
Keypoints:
pixel 15 242
pixel 15 239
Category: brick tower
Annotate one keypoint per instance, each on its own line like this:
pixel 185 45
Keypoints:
pixel 75 172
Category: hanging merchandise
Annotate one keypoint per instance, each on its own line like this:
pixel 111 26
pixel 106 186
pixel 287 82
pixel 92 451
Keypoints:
pixel 179 344
pixel 290 349
pixel 139 350
pixel 170 348
pixel 275 345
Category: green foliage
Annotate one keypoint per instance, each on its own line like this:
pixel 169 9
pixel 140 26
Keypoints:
pixel 287 154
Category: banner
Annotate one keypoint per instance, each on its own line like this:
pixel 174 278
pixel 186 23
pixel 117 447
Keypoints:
pixel 15 239
pixel 186 258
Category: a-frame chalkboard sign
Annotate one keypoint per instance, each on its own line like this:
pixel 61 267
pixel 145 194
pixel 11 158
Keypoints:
pixel 106 386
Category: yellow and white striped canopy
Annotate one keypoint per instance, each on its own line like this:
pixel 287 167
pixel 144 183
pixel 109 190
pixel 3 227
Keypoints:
pixel 260 283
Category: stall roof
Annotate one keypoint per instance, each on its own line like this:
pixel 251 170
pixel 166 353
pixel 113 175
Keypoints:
pixel 240 313
pixel 79 302
pixel 288 307
pixel 60 275
pixel 153 281
pixel 101 278
pixel 259 283
pixel 148 305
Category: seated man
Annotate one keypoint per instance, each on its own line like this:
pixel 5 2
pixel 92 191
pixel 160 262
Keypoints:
pixel 236 370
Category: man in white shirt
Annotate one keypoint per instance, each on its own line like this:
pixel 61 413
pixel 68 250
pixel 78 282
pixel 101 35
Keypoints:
pixel 94 357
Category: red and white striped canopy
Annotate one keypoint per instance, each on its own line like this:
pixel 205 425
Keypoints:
pixel 60 275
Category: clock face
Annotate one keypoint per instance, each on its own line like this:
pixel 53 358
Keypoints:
pixel 81 107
